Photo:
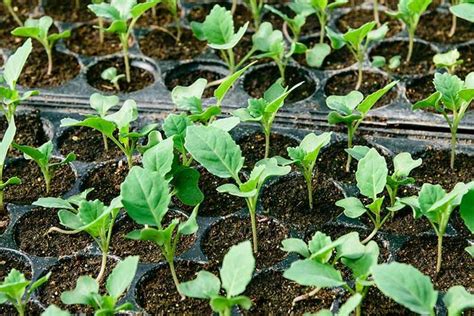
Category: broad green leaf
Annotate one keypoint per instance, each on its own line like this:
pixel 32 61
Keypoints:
pixel 464 11
pixel 312 273
pixel 378 34
pixel 103 126
pixel 140 8
pixel 350 247
pixel 268 40
pixel 53 310
pixel 361 266
pixel 337 39
pixel 447 59
pixel 467 209
pixel 15 63
pixel 336 118
pixel 371 174
pixel 318 246
pixel 295 245
pixel 102 104
pixel 430 102
pixel 356 36
pixel 123 117
pixel 83 293
pixel 345 104
pixel 365 106
pixel 449 86
pixel 205 286
pixel 350 305
pixel 121 277
pixel 51 202
pixel 457 300
pixel 317 54
pixel 237 268
pixel 186 185
pixel 358 152
pixel 160 157
pixel 226 124
pixel 353 207
pixel 189 98
pixel 234 190
pixel 190 226
pixel 403 164
pixel 35 285
pixel 224 87
pixel 6 141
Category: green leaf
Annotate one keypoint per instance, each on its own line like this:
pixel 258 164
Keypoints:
pixel 234 190
pixel 83 293
pixel 140 8
pixel 189 98
pixel 205 286
pixel 237 268
pixel 378 34
pixel 6 141
pixel 358 152
pixel 123 117
pixel 102 104
pixel 449 86
pixel 457 300
pixel 350 305
pixel 470 250
pixel 467 210
pixel 295 245
pixel 317 54
pixel 225 85
pixel 220 304
pixel 371 174
pixel 190 226
pixel 378 61
pixel 361 266
pixel 35 285
pixel 353 207
pixel 312 273
pixel 356 36
pixel 448 59
pixel 51 202
pixel 226 124
pixel 268 40
pixel 407 286
pixel 321 247
pixel 15 63
pixel 160 157
pixel 403 164
pixel 337 39
pixel 53 310
pixel 121 277
pixel 365 106
pixel 464 11
pixel 186 185
pixel 345 104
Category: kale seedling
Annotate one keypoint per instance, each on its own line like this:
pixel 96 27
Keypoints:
pixel 264 110
pixel 123 15
pixel 87 289
pixel 110 74
pixel 8 5
pixel 17 290
pixel 449 61
pixel 412 289
pixel 235 274
pixel 38 29
pixel 318 268
pixel 351 110
pixel 102 104
pixel 357 41
pixel 216 151
pixel 43 157
pixel 453 96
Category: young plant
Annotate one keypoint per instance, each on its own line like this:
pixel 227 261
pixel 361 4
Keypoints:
pixel 235 274
pixel 357 41
pixel 102 104
pixel 9 6
pixel 305 156
pixel 116 127
pixel 437 206
pixel 351 110
pixel 123 15
pixel 43 157
pixel 409 12
pixel 38 29
pixel 256 7
pixel 216 151
pixel 449 61
pixel 295 24
pixel 412 289
pixel 4 147
pixel 17 290
pixel 100 20
pixel 381 62
pixel 323 11
pixel 87 290
pixel 110 74
pixel 321 257
pixel 173 6
pixel 264 110
pixel 91 217
pixel 453 96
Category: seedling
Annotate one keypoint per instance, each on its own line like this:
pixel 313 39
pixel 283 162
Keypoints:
pixel 17 290
pixel 235 274
pixel 381 62
pixel 264 110
pixel 410 288
pixel 38 29
pixel 296 23
pixel 123 15
pixel 449 61
pixel 216 151
pixel 91 217
pixel 351 110
pixel 305 156
pixel 323 11
pixel 173 7
pixel 437 206
pixel 100 20
pixel 9 6
pixel 318 268
pixel 117 123
pixel 409 12
pixel 110 74
pixel 453 96
pixel 4 147
pixel 256 7
pixel 218 30
pixel 357 41
pixel 87 289
pixel 43 157
pixel 102 104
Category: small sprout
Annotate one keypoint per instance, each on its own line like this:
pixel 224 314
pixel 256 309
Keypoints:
pixel 110 75
pixel 357 41
pixel 351 110
pixel 43 157
pixel 123 15
pixel 17 290
pixel 235 274
pixel 11 10
pixel 453 96
pixel 102 104
pixel 380 62
pixel 173 7
pixel 305 156
pixel 323 11
pixel 297 22
pixel 38 29
pixel 256 7
pixel 87 289
pixel 264 110
pixel 216 151
pixel 449 61
pixel 464 10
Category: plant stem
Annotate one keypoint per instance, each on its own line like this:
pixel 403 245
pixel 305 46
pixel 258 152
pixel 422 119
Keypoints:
pixel 267 144
pixel 106 143
pixel 124 42
pixel 101 30
pixel 440 253
pixel 234 6
pixel 411 40
pixel 305 296
pixel 78 4
pixel 231 55
pixel 20 308
pixel 358 310
pixel 372 234
pixel 322 22
pixel 14 15
pixel 254 232
pixel 350 135
pixel 359 75
pixel 173 273
pixel 50 61
pixel 226 312
pixel 47 178
pixel 281 69
pixel 2 205
pixel 103 263
pixel 376 13
pixel 309 186
pixel 453 149
pixel 452 31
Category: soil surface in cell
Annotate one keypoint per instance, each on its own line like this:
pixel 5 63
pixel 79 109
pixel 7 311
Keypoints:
pixel 358 17
pixel 22 8
pixel 60 10
pixel 85 40
pixel 375 303
pixel 161 17
pixel 337 59
pixel 436 26
pixel 181 78
pixel 9 261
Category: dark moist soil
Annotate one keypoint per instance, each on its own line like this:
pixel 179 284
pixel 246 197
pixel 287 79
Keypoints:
pixel 419 89
pixel 84 40
pixel 435 27
pixel 10 260
pixel 375 303
pixel 162 18
pixel 458 223
pixel 310 27
pixel 344 83
pixel 241 16
pixel 215 203
pixel 4 220
pixel 106 180
pixel 435 168
pixel 243 47
pixel 29 131
pixel 235 229
pixel 187 78
pixel 457 265
pixel 337 59
pixel 31 235
pixel 163 46
pixel 467 55
pixel 34 75
pixel 259 80
pixel 60 10
pixel 148 251
pixel 64 276
pixel 8 24
pixel 287 200
pixel 87 144
pixel 157 294
pixel 356 18
pixel 33 186
pixel 253 147
pixel 421 60
pixel 140 77
pixel 31 309
pixel 272 294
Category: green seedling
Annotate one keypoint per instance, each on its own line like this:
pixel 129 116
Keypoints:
pixel 111 75
pixel 216 151
pixel 173 6
pixel 453 96
pixel 301 10
pixel 9 6
pixel 102 104
pixel 449 61
pixel 264 110
pixel 323 10
pixel 235 274
pixel 256 7
pixel 351 111
pixel 38 29
pixel 123 15
pixel 43 157
pixel 381 62
pixel 87 290
pixel 17 290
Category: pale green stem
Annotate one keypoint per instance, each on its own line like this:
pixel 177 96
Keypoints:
pixel 440 253
pixel 376 13
pixel 101 30
pixel 411 41
pixel 14 15
pixel 309 186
